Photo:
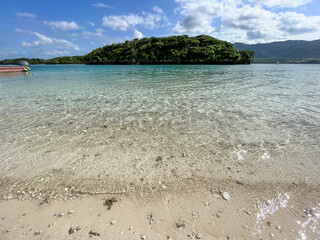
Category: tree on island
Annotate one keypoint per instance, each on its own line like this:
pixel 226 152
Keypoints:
pixel 201 49
pixel 57 60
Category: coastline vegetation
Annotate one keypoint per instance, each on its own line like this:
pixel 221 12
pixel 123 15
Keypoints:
pixel 57 60
pixel 201 49
pixel 190 50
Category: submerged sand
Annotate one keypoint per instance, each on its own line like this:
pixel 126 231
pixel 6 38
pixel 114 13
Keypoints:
pixel 180 187
pixel 178 179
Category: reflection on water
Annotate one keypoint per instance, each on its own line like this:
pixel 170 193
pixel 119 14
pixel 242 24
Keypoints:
pixel 6 75
pixel 312 222
pixel 266 208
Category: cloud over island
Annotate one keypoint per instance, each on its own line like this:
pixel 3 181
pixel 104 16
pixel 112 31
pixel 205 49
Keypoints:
pixel 245 21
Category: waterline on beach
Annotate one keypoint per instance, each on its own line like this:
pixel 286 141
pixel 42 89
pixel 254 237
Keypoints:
pixel 73 131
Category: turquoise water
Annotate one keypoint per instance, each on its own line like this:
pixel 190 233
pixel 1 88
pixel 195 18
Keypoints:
pixel 77 121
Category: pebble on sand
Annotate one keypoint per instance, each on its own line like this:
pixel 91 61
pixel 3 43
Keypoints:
pixel 181 224
pixel 240 182
pixel 94 233
pixel 150 217
pixel 143 237
pixel 198 236
pixel 226 196
pixel 113 222
pixel 71 230
pixel 109 202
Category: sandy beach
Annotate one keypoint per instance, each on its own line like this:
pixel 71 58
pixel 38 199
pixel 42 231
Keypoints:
pixel 195 210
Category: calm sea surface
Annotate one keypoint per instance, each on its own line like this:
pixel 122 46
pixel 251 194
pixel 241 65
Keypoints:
pixel 253 122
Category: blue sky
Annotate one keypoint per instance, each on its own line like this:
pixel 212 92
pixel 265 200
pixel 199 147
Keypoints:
pixel 46 29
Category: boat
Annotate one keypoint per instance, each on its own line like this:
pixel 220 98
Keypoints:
pixel 22 66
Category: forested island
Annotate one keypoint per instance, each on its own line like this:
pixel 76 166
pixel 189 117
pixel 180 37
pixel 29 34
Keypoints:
pixel 201 49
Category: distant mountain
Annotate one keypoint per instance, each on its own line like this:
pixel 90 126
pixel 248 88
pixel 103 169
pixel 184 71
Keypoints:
pixel 283 50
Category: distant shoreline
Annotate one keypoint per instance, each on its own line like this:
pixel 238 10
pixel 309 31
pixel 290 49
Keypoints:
pixel 260 63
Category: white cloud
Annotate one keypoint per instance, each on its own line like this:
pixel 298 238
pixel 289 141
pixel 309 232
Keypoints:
pixel 44 40
pixel 198 16
pixel 19 30
pixel 122 23
pixel 157 9
pixel 130 21
pixel 98 32
pixel 56 52
pixel 196 23
pixel 24 14
pixel 281 3
pixel 236 21
pixel 65 44
pixel 249 18
pixel 294 23
pixel 91 23
pixel 62 26
pixel 138 34
pixel 101 5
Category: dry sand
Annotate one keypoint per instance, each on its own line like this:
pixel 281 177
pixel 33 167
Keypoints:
pixel 195 210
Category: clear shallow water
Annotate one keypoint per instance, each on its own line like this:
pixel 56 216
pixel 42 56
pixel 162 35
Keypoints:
pixel 73 124
pixel 68 131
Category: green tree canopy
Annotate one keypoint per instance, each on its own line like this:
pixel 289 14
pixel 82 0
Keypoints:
pixel 201 49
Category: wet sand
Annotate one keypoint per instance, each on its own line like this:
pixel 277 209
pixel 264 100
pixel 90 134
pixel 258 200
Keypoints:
pixel 160 191
pixel 197 209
